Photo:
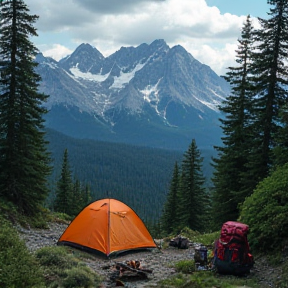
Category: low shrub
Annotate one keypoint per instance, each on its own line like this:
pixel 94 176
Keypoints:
pixel 265 211
pixel 80 277
pixel 55 256
pixel 61 217
pixel 18 267
pixel 63 269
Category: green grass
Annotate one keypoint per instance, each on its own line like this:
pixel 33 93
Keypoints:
pixel 206 279
pixel 206 239
pixel 185 266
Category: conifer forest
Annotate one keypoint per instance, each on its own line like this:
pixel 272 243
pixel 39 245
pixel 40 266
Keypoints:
pixel 243 179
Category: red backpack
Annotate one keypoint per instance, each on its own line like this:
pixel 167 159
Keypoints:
pixel 232 252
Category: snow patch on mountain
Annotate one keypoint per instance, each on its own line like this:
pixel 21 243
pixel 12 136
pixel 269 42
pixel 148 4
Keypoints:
pixel 124 78
pixel 151 95
pixel 151 92
pixel 88 75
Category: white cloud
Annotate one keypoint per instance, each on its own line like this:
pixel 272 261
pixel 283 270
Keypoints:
pixel 206 33
pixel 57 52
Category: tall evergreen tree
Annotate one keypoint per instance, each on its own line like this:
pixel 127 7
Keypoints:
pixel 64 192
pixel 280 151
pixel 168 218
pixel 270 74
pixel 192 201
pixel 232 156
pixel 76 199
pixel 24 160
pixel 86 195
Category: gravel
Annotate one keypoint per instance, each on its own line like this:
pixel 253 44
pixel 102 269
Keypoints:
pixel 160 261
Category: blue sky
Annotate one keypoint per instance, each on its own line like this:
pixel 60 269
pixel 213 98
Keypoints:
pixel 208 29
pixel 256 8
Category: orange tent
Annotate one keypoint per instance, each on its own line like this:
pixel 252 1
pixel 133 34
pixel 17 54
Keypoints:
pixel 108 226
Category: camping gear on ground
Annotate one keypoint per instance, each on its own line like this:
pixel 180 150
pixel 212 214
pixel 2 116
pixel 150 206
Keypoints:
pixel 200 257
pixel 232 252
pixel 179 242
pixel 130 270
pixel 107 226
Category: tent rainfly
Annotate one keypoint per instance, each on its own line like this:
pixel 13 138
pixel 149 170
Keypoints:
pixel 107 226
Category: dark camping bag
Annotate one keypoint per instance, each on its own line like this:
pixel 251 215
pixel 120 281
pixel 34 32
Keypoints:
pixel 232 252
pixel 179 242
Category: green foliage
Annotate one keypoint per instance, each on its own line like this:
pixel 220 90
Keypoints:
pixel 269 73
pixel 282 281
pixel 40 219
pixel 71 197
pixel 229 189
pixel 192 199
pixel 79 277
pixel 55 256
pixel 124 172
pixel 64 193
pixel 178 280
pixel 169 216
pixel 24 162
pixel 266 210
pixel 205 279
pixel 208 279
pixel 280 151
pixel 206 239
pixel 185 266
pixel 254 125
pixel 18 268
pixel 63 269
pixel 187 201
pixel 10 211
pixel 62 217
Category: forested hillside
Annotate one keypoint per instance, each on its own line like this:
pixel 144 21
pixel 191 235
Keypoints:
pixel 138 176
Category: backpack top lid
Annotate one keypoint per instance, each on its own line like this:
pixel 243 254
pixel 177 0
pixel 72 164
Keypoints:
pixel 232 229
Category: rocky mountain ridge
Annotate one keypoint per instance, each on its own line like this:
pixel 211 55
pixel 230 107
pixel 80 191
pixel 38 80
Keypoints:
pixel 135 95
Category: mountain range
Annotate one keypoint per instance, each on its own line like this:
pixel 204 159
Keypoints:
pixel 150 95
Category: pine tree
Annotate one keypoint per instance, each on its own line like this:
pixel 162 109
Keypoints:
pixel 270 73
pixel 86 195
pixel 24 161
pixel 64 192
pixel 192 199
pixel 168 218
pixel 232 156
pixel 280 152
pixel 76 199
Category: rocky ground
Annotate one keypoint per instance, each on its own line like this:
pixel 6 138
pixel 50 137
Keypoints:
pixel 160 261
